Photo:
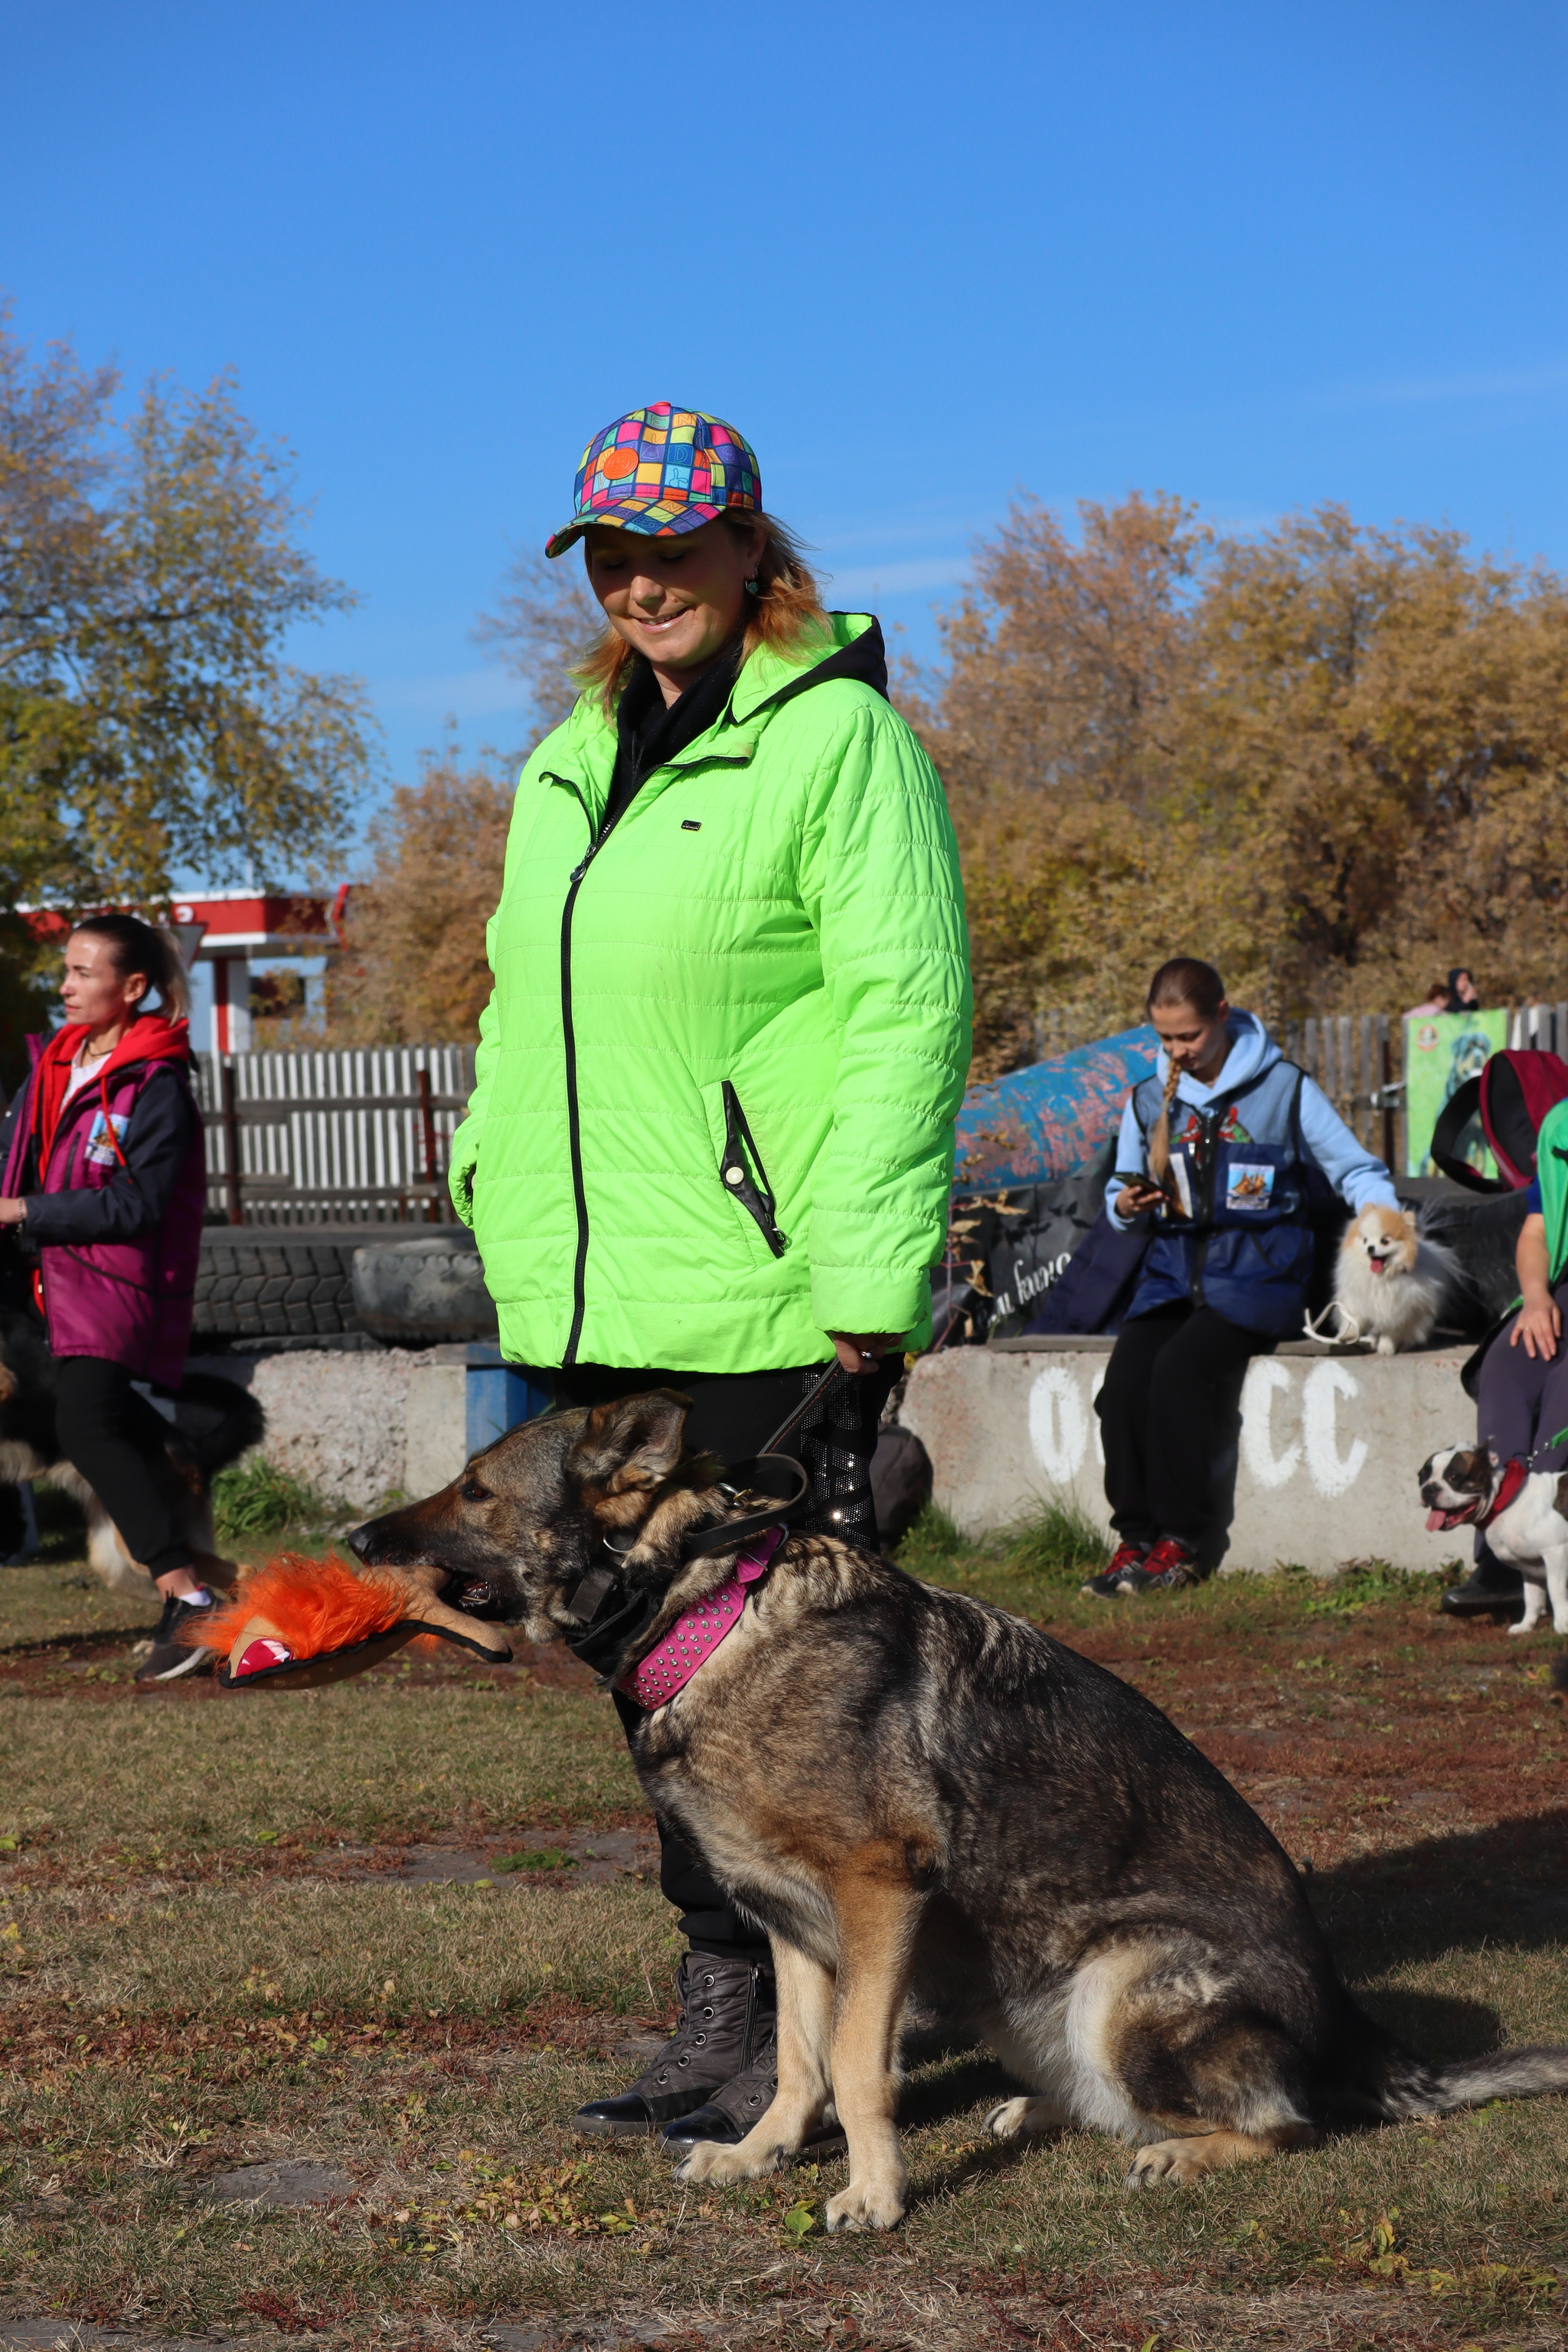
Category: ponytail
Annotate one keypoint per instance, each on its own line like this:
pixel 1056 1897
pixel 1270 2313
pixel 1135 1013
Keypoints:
pixel 137 947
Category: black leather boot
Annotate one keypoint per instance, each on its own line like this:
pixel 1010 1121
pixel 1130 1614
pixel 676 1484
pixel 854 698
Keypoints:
pixel 729 2114
pixel 727 2016
pixel 1489 1589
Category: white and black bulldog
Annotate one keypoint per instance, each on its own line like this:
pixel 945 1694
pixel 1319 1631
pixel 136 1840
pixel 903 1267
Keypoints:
pixel 1524 1513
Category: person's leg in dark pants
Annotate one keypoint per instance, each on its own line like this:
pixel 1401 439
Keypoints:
pixel 116 1440
pixel 723 2043
pixel 1168 1373
pixel 1122 1405
pixel 113 1436
pixel 1192 1376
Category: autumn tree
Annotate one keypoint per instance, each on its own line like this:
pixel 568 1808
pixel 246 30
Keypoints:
pixel 1051 719
pixel 1328 758
pixel 150 572
pixel 413 970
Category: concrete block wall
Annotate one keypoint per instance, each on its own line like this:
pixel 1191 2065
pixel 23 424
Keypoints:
pixel 1329 1446
pixel 357 1425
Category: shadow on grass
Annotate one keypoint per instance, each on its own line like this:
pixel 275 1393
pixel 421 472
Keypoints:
pixel 1505 1885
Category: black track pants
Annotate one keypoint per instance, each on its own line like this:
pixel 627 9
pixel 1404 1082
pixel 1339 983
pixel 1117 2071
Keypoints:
pixel 733 1414
pixel 1157 1409
pixel 115 1438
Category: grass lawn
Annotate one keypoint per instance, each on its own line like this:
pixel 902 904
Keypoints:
pixel 394 1931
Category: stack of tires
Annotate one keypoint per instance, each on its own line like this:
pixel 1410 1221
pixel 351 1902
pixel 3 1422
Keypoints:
pixel 275 1288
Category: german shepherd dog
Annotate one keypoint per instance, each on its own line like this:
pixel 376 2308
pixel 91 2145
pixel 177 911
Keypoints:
pixel 216 1421
pixel 918 1795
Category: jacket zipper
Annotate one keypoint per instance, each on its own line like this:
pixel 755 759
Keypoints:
pixel 569 1038
pixel 1208 1126
pixel 749 1185
pixel 573 1122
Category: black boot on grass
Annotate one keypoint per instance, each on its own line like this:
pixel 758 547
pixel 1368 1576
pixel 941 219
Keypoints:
pixel 727 2016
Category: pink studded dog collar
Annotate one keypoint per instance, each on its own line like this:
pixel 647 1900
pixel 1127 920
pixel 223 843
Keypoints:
pixel 655 1679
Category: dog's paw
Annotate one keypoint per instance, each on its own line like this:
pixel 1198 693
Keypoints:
pixel 866 2205
pixel 1179 2161
pixel 1021 2118
pixel 1528 1625
pixel 722 2166
pixel 1386 1346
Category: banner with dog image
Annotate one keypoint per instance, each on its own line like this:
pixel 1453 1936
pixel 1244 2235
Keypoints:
pixel 1441 1051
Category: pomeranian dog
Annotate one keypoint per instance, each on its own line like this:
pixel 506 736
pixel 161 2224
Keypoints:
pixel 1391 1282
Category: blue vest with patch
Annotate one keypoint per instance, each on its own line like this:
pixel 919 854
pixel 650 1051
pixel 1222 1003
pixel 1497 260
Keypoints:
pixel 1239 1167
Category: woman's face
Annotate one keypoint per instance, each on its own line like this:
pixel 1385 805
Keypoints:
pixel 93 989
pixel 1192 1041
pixel 1464 989
pixel 679 600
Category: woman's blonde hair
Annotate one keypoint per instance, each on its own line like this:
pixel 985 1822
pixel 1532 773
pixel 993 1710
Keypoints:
pixel 1184 981
pixel 787 607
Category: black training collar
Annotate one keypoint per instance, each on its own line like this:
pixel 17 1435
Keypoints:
pixel 616 1620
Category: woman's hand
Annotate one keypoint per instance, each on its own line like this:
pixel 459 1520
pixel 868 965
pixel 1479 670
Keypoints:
pixel 862 1351
pixel 1135 1198
pixel 13 1211
pixel 1539 1324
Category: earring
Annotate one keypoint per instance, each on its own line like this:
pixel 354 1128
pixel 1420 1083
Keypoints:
pixel 751 587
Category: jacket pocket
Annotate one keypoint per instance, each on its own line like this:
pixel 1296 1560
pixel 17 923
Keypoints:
pixel 742 1175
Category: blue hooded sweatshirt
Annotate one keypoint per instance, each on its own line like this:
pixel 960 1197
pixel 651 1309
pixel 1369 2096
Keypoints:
pixel 1241 1158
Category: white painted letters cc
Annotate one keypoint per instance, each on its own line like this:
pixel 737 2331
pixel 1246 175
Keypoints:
pixel 1266 1378
pixel 1329 1471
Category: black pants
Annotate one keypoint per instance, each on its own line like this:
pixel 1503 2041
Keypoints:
pixel 116 1439
pixel 733 1414
pixel 1157 1410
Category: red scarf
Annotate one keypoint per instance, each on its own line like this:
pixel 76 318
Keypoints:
pixel 150 1038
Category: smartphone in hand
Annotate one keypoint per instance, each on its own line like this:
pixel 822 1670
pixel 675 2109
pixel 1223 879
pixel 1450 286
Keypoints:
pixel 1140 1191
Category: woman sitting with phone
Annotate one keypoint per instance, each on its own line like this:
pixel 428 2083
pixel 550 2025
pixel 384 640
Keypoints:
pixel 1216 1157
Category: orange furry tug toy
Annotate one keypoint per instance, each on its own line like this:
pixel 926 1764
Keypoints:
pixel 299 1622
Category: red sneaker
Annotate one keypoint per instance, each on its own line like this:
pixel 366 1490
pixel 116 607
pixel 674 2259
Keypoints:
pixel 1127 1556
pixel 1169 1567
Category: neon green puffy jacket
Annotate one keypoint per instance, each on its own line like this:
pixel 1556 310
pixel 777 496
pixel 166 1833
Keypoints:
pixel 718 1074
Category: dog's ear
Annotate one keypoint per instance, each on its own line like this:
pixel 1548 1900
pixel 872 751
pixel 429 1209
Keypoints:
pixel 1471 1473
pixel 630 1444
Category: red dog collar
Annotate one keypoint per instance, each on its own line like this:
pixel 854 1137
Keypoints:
pixel 1514 1474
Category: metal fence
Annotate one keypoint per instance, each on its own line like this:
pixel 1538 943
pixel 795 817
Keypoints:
pixel 351 1138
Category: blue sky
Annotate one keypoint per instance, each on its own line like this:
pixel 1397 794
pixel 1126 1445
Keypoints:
pixel 1257 255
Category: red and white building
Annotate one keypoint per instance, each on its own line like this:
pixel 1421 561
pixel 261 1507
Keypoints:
pixel 228 932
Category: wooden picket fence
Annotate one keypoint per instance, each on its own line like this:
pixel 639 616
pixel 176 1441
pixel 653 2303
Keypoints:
pixel 351 1138
pixel 365 1137
pixel 1358 1059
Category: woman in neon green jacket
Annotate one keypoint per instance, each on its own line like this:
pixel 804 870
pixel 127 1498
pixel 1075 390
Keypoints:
pixel 710 1141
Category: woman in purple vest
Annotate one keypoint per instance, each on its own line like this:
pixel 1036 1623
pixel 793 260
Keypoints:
pixel 104 1176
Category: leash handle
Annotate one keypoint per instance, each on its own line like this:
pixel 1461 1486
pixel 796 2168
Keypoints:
pixel 835 1372
pixel 779 1475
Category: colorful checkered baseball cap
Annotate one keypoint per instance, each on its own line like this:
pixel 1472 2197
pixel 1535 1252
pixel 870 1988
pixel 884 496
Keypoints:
pixel 661 470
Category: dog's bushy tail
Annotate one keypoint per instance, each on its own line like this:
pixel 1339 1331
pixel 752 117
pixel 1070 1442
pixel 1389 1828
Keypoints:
pixel 217 1421
pixel 1380 2076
